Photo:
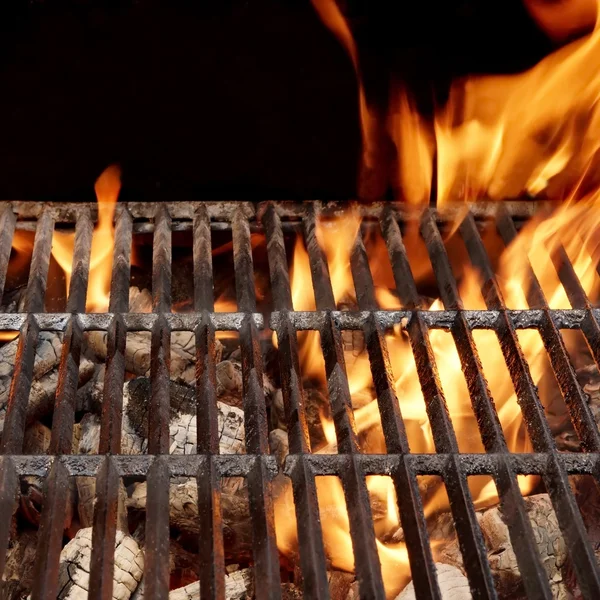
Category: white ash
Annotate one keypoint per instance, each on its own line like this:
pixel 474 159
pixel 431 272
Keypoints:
pixel 74 568
pixel 453 585
pixel 237 585
pixel 501 555
pixel 182 427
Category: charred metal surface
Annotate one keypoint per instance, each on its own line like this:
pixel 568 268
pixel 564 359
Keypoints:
pixel 301 467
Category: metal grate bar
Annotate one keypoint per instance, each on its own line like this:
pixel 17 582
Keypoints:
pixel 40 261
pixel 301 467
pixel 461 504
pixel 104 531
pixel 203 272
pixel 61 441
pixel 68 374
pixel 368 568
pixel 112 407
pixel 312 551
pixel 523 541
pixel 160 351
pixel 266 571
pixel 54 508
pixel 405 482
pixel 156 568
pixel 471 542
pixel 82 249
pixel 121 267
pixel 581 416
pixel 14 423
pixel 211 549
pixel 578 299
pixel 7 229
pixel 9 482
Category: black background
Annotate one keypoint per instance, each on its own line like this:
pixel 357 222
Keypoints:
pixel 221 100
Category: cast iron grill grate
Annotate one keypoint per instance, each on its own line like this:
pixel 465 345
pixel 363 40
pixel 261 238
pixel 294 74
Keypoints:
pixel 257 466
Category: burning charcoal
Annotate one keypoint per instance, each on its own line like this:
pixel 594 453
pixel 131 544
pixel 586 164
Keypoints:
pixel 503 561
pixel 140 301
pixel 20 561
pixel 237 585
pixel 229 378
pixel 47 357
pixel 74 568
pixel 37 441
pixel 89 395
pixel 453 585
pixel 290 591
pixel 182 426
pixel 43 391
pixel 14 300
pixel 340 583
pixel 237 527
pixel 137 349
pixel 279 444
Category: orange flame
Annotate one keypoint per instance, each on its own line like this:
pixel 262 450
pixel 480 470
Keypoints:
pixel 574 226
pixel 533 133
pixel 107 190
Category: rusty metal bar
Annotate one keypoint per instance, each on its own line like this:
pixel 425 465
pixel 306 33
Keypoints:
pixel 405 482
pixel 82 249
pixel 9 482
pixel 266 570
pixel 156 571
pixel 312 551
pixel 8 221
pixel 160 351
pixel 461 504
pixel 575 399
pixel 54 509
pixel 68 374
pixel 578 299
pixel 203 272
pixel 211 549
pixel 104 531
pixel 530 565
pixel 368 568
pixel 112 407
pixel 14 423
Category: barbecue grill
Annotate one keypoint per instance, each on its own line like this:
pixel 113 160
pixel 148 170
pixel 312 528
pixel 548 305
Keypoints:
pixel 301 466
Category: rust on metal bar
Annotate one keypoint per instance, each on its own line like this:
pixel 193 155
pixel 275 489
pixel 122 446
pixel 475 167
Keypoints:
pixel 104 531
pixel 8 221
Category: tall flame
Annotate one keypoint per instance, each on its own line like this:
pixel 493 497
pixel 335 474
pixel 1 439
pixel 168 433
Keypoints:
pixel 573 226
pixel 107 190
pixel 533 133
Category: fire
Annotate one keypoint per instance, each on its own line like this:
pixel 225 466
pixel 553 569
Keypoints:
pixel 573 226
pixel 534 133
pixel 107 190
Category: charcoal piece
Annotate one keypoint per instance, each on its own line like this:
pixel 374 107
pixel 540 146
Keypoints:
pixel 20 561
pixel 183 505
pixel 279 445
pixel 453 585
pixel 237 585
pixel 74 568
pixel 47 357
pixel 501 555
